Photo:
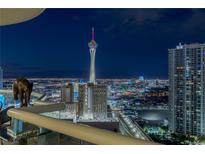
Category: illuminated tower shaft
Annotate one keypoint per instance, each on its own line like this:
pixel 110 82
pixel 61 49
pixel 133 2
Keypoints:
pixel 92 65
pixel 92 45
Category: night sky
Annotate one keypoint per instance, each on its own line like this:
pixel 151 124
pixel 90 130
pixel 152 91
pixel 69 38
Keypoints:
pixel 131 42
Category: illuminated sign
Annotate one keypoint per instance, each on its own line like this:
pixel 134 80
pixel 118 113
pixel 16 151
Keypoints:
pixel 2 102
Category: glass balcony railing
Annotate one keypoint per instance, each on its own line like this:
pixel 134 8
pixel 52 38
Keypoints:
pixel 55 123
pixel 34 135
pixel 44 125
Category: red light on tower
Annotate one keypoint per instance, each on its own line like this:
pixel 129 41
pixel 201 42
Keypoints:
pixel 92 43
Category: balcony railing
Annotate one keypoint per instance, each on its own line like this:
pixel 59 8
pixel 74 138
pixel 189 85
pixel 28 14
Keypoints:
pixel 82 132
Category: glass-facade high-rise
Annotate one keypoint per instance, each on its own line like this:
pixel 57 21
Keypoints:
pixel 187 89
pixel 82 99
pixel 67 93
pixel 97 101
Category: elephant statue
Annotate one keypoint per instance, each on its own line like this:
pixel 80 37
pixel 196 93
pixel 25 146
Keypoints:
pixel 22 89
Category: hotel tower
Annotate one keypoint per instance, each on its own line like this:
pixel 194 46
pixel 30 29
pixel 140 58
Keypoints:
pixel 187 89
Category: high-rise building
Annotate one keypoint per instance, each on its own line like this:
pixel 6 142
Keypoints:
pixel 82 99
pixel 97 101
pixel 92 45
pixel 67 93
pixel 75 92
pixel 187 89
pixel 1 78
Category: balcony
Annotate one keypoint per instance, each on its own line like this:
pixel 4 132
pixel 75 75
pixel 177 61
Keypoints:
pixel 44 123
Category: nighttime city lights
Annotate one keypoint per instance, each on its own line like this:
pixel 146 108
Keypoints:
pixel 102 76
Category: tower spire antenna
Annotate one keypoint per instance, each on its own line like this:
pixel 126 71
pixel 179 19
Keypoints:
pixel 93 33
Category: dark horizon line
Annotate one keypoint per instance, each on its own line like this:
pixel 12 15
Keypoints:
pixel 74 77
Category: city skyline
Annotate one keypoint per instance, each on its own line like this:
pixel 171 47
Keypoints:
pixel 155 111
pixel 62 35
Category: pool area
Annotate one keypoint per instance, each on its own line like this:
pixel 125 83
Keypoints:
pixel 6 99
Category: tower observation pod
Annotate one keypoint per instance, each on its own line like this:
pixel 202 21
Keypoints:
pixel 92 47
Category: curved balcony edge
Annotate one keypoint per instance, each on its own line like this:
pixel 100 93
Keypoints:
pixel 79 131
